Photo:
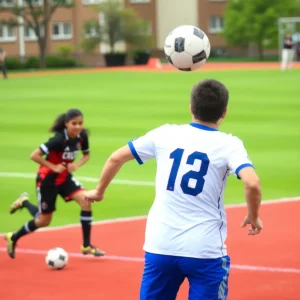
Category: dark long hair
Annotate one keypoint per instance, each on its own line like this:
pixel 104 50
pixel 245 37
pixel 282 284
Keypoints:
pixel 59 123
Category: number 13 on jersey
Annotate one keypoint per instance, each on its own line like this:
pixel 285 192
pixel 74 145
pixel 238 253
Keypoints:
pixel 177 155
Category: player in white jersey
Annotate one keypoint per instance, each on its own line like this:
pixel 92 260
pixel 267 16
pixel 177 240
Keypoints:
pixel 186 226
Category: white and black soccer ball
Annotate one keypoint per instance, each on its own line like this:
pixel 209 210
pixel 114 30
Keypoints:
pixel 57 258
pixel 187 48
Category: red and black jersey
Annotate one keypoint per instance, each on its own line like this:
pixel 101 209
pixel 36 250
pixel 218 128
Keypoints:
pixel 62 149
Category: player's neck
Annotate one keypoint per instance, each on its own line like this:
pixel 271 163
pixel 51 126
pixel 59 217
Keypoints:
pixel 212 125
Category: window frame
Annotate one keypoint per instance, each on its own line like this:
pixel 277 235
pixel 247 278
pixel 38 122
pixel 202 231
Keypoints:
pixel 91 2
pixel 61 36
pixel 219 22
pixel 6 38
pixel 139 1
pixel 5 4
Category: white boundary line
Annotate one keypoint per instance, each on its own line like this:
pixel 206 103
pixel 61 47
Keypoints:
pixel 138 218
pixel 126 219
pixel 140 259
pixel 82 178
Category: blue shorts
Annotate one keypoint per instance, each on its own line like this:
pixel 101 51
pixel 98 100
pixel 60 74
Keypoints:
pixel 163 275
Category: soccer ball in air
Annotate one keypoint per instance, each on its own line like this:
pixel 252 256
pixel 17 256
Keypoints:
pixel 187 48
pixel 57 258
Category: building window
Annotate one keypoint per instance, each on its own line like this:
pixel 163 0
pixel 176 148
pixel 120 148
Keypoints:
pixel 215 24
pixel 29 33
pixel 87 2
pixel 90 32
pixel 61 31
pixel 55 2
pixel 7 33
pixel 139 1
pixel 34 2
pixel 6 3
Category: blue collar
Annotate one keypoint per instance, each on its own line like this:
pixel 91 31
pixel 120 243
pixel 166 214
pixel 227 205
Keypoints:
pixel 203 127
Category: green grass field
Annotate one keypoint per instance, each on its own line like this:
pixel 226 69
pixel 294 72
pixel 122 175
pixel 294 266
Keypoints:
pixel 264 111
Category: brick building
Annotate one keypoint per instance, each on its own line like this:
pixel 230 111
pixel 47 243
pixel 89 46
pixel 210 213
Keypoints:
pixel 66 26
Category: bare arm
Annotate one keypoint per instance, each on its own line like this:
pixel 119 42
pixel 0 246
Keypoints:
pixel 112 167
pixel 75 165
pixel 252 190
pixel 2 55
pixel 110 170
pixel 37 156
pixel 84 158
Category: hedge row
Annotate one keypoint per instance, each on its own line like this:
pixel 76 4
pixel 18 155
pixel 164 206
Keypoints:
pixel 52 61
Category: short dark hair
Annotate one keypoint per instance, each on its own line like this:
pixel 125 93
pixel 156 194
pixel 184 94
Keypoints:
pixel 209 99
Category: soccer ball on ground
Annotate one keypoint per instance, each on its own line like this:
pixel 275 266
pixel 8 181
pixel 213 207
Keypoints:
pixel 187 48
pixel 57 258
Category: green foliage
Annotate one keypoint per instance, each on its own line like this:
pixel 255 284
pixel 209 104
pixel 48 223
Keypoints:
pixel 120 25
pixel 65 51
pixel 13 63
pixel 35 17
pixel 255 21
pixel 53 61
pixel 32 63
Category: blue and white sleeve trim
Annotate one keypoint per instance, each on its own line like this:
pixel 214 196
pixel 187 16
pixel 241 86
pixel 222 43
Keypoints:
pixel 242 167
pixel 134 153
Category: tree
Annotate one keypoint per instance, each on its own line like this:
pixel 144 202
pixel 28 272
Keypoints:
pixel 119 24
pixel 36 17
pixel 255 21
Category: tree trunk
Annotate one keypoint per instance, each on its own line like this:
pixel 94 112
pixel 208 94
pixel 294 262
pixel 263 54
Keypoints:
pixel 43 39
pixel 42 48
pixel 260 50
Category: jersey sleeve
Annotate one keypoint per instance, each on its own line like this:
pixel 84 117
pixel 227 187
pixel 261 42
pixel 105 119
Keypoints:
pixel 144 148
pixel 238 157
pixel 85 143
pixel 54 143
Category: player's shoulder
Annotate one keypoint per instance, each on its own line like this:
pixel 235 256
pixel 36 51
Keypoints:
pixel 59 136
pixel 159 130
pixel 231 140
pixel 165 130
pixel 171 127
pixel 83 134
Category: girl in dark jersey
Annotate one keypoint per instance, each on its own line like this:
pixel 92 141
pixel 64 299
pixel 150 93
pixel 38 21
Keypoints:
pixel 54 177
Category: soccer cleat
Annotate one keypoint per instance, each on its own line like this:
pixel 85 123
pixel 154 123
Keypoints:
pixel 18 204
pixel 11 245
pixel 92 250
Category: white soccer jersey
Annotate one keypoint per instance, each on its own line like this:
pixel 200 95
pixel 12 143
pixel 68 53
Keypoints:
pixel 188 217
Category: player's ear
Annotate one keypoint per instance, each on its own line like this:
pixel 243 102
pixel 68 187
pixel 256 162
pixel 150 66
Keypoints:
pixel 224 113
pixel 190 108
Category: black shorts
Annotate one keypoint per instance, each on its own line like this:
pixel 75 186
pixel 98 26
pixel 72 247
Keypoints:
pixel 47 191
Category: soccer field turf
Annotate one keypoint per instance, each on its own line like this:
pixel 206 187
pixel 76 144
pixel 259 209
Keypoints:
pixel 264 110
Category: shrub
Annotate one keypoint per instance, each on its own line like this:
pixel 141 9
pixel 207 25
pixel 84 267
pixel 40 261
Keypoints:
pixel 32 63
pixel 13 63
pixel 53 61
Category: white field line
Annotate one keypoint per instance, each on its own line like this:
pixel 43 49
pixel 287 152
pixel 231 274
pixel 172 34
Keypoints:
pixel 140 259
pixel 127 219
pixel 138 218
pixel 82 178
